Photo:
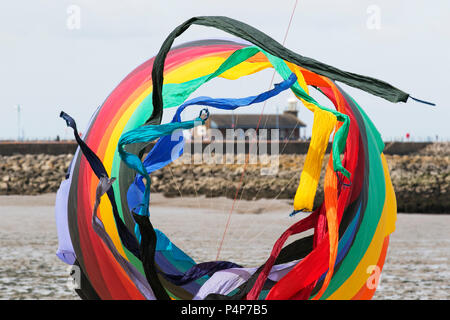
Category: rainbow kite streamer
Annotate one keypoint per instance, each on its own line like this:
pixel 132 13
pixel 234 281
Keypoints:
pixel 119 253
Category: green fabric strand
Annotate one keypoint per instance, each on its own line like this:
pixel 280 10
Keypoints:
pixel 340 137
pixel 174 94
pixel 247 32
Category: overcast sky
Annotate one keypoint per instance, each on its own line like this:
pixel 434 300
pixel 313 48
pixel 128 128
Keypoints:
pixel 47 65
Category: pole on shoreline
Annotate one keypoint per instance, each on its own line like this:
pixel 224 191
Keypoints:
pixel 18 122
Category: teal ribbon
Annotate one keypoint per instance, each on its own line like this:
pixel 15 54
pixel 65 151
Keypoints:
pixel 147 134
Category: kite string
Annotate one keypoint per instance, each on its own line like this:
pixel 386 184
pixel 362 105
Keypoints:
pixel 290 21
pixel 247 156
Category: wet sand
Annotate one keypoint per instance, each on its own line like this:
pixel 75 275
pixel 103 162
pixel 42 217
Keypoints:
pixel 417 265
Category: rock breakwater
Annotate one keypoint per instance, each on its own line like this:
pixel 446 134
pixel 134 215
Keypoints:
pixel 421 181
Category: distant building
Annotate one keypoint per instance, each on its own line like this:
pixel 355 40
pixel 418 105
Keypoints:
pixel 288 123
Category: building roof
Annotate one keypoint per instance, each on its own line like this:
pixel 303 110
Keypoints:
pixel 247 121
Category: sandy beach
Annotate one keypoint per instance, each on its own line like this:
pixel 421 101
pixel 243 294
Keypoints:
pixel 417 265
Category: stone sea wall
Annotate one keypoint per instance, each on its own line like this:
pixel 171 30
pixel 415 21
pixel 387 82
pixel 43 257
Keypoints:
pixel 421 180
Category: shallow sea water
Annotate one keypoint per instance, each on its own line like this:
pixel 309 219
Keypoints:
pixel 417 264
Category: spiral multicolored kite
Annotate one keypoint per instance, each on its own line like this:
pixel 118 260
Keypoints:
pixel 121 255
